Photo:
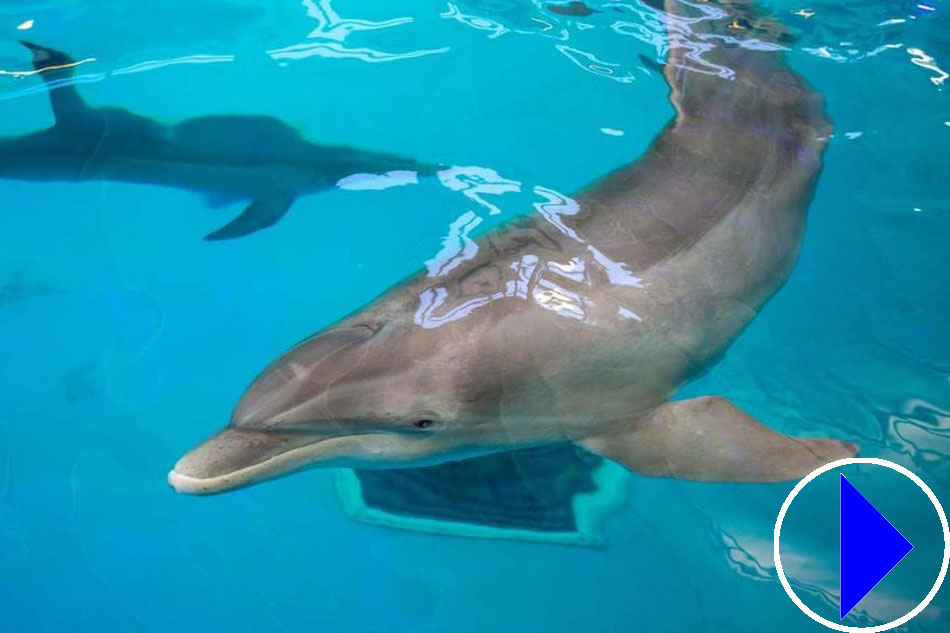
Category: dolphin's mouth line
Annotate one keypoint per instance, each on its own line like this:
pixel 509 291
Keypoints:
pixel 279 464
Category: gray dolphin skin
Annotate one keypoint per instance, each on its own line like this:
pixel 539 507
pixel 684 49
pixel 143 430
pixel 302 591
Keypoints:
pixel 579 322
pixel 228 158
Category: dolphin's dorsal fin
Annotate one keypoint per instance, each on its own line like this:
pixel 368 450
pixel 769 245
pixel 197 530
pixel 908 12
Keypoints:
pixel 263 212
pixel 56 67
pixel 652 64
pixel 710 439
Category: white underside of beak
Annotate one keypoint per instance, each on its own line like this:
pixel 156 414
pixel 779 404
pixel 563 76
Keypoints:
pixel 356 451
pixel 271 467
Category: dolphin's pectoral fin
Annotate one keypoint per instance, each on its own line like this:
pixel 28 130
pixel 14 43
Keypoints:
pixel 265 211
pixel 710 439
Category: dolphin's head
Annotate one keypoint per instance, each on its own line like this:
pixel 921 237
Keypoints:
pixel 355 396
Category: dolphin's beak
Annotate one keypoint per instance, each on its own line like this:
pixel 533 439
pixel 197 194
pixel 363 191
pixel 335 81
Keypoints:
pixel 239 457
pixel 253 447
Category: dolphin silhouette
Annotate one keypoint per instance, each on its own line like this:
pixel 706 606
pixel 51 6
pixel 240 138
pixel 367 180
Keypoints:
pixel 227 157
pixel 579 322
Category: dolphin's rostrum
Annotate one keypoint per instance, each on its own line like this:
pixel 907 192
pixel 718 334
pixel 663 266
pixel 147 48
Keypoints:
pixel 227 157
pixel 577 324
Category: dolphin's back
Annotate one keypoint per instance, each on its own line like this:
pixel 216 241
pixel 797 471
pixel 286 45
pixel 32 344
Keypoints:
pixel 711 215
pixel 241 137
pixel 666 259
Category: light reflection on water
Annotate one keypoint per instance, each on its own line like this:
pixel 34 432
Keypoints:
pixel 331 32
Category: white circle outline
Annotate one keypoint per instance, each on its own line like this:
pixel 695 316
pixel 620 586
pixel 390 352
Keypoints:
pixel 838 464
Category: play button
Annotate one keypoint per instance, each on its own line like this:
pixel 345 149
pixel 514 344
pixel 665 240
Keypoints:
pixel 870 547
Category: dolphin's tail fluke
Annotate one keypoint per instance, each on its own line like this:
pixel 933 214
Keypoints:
pixel 710 439
pixel 745 121
pixel 56 68
pixel 725 66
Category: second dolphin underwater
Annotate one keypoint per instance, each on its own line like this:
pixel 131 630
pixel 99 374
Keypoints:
pixel 579 322
pixel 226 157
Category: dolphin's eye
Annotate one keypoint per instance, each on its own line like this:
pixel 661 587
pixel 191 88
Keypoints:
pixel 424 423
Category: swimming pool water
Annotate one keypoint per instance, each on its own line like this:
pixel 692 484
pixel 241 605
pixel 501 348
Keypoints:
pixel 126 339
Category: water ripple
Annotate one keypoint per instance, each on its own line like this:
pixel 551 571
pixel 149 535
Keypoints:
pixel 750 557
pixel 331 32
pixel 592 64
pixel 476 22
pixel 922 431
pixel 161 63
pixel 331 26
pixel 333 50
pixel 922 59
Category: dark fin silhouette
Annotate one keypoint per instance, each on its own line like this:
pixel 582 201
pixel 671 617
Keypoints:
pixel 710 439
pixel 265 211
pixel 576 9
pixel 216 201
pixel 53 63
pixel 652 64
pixel 55 66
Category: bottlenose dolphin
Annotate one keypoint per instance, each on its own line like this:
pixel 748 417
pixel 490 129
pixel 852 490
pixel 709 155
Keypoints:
pixel 579 322
pixel 227 157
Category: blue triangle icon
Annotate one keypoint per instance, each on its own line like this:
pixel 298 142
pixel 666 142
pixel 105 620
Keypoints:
pixel 870 547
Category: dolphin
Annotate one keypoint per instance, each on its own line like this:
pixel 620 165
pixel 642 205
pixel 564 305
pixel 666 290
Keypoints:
pixel 228 157
pixel 576 323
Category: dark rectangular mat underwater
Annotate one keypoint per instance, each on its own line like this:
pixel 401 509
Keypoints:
pixel 555 493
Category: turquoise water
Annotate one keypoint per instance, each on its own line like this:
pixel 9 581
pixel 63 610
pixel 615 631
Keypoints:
pixel 126 339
